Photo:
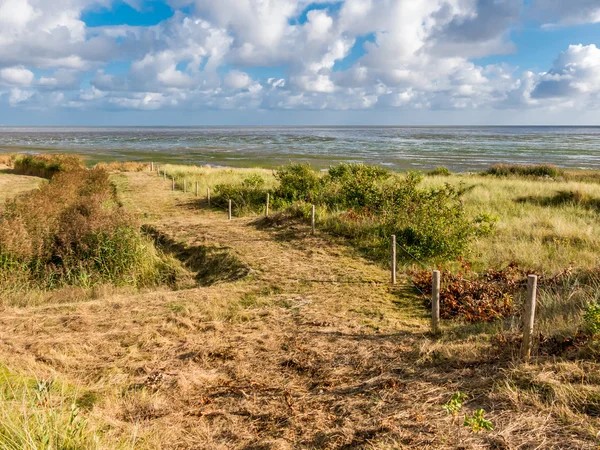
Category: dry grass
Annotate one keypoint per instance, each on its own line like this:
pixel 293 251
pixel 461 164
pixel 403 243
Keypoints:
pixel 311 350
pixel 12 185
pixel 540 237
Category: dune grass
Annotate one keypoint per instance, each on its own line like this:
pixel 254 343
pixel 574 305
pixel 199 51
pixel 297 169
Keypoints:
pixel 314 350
pixel 531 231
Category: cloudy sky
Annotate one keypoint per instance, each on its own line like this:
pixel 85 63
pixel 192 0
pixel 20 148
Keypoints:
pixel 277 62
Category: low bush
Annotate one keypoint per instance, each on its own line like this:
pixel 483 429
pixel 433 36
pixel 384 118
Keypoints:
pixel 46 166
pixel 73 231
pixel 249 196
pixel 439 172
pixel 368 204
pixel 540 170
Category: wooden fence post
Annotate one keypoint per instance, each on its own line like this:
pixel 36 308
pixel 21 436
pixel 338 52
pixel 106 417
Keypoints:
pixel 312 219
pixel 529 318
pixel 435 302
pixel 196 189
pixel 229 209
pixel 208 196
pixel 394 259
pixel 267 209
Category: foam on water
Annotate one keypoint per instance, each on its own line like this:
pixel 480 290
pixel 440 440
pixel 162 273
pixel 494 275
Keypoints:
pixel 459 148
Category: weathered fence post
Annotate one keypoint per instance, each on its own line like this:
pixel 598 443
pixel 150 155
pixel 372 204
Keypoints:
pixel 196 189
pixel 173 178
pixel 229 209
pixel 435 302
pixel 394 259
pixel 529 316
pixel 208 196
pixel 267 209
pixel 312 219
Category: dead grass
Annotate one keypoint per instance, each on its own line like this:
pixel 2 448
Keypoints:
pixel 312 350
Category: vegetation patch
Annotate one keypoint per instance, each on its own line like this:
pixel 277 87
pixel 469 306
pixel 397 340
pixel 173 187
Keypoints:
pixel 46 166
pixel 522 170
pixel 367 204
pixel 74 231
pixel 574 198
pixel 36 414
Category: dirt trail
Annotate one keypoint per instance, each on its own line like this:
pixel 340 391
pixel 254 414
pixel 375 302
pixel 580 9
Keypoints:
pixel 313 350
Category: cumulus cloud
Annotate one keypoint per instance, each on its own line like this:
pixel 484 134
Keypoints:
pixel 16 76
pixel 339 55
pixel 574 74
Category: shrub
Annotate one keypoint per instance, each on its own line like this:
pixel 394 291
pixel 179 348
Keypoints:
pixel 46 166
pixel 354 185
pixel 249 196
pixel 73 231
pixel 440 172
pixel 541 170
pixel 298 182
pixel 592 318
pixel 367 204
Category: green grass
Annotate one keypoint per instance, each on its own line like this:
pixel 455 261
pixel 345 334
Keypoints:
pixel 43 414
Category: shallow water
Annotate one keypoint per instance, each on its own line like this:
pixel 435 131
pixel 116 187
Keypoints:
pixel 458 148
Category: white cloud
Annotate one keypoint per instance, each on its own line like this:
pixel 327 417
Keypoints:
pixel 417 55
pixel 237 80
pixel 16 76
pixel 573 75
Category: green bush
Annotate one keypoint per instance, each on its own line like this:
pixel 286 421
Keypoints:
pixel 354 185
pixel 298 182
pixel 248 197
pixel 591 318
pixel 367 205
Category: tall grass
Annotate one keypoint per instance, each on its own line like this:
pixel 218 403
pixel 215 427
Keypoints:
pixel 41 414
pixel 73 231
pixel 541 170
pixel 46 166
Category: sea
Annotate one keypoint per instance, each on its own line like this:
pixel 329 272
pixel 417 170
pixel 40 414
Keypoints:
pixel 461 149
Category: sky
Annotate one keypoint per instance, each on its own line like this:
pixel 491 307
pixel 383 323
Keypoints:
pixel 299 62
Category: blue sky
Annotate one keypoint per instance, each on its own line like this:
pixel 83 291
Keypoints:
pixel 295 62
